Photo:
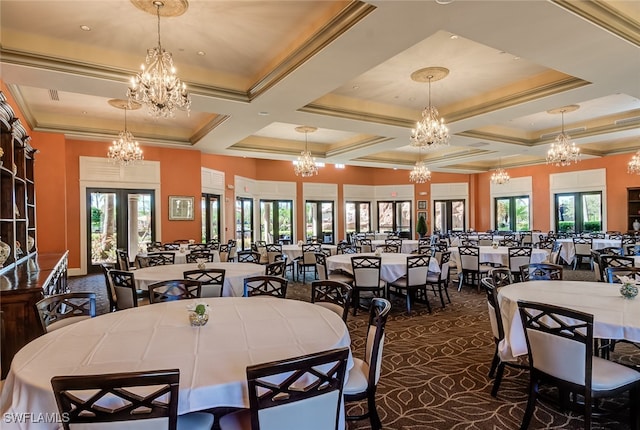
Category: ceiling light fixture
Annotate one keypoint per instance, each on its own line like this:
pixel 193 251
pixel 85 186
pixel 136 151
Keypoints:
pixel 563 152
pixel 430 131
pixel 157 86
pixel 306 165
pixel 125 150
pixel 500 176
pixel 420 173
pixel 634 164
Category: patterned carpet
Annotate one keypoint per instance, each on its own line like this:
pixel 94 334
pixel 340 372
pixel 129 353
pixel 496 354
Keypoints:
pixel 435 367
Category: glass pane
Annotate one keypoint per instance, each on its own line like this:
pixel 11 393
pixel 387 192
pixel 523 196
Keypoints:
pixel 327 222
pixel 440 217
pixel 203 220
pixel 522 213
pixel 266 221
pixel 365 223
pixel 103 228
pixel 139 223
pixel 350 214
pixel 566 212
pixel 285 220
pixel 247 225
pixel 503 219
pixel 403 219
pixel 311 217
pixel 457 215
pixel 214 212
pixel 591 212
pixel 385 217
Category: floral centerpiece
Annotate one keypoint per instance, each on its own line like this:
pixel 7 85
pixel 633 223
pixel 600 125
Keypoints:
pixel 198 314
pixel 629 288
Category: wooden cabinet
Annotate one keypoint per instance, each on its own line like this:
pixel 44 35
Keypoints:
pixel 17 191
pixel 633 207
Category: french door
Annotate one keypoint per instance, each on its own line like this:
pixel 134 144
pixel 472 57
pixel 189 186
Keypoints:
pixel 276 220
pixel 578 212
pixel 395 216
pixel 319 221
pixel 244 222
pixel 118 218
pixel 358 217
pixel 512 213
pixel 449 215
pixel 210 206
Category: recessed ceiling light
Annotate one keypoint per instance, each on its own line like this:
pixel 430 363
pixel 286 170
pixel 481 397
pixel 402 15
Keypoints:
pixel 395 168
pixel 263 113
pixel 202 53
pixel 453 36
pixel 516 58
pixel 85 28
pixel 444 1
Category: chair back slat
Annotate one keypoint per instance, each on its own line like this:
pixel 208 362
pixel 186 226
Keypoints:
pixel 174 289
pixel 211 280
pixel 265 285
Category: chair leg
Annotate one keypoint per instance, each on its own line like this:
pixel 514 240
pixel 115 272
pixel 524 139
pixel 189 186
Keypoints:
pixel 356 300
pixel 376 424
pixel 531 404
pixel 494 363
pixel 409 294
pixel 498 380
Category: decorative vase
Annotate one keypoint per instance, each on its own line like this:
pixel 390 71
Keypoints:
pixel 628 290
pixel 30 243
pixel 636 225
pixel 5 251
pixel 198 320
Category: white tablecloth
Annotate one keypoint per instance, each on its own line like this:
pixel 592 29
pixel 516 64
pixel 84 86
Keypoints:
pixel 181 255
pixel 614 316
pixel 408 245
pixel 393 266
pixel 294 251
pixel 234 276
pixel 499 255
pixel 212 359
pixel 568 251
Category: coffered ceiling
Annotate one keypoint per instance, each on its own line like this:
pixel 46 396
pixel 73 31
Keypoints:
pixel 258 69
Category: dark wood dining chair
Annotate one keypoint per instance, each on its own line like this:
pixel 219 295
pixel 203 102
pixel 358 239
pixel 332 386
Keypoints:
pixel 174 289
pixel 212 281
pixel 333 295
pixel 60 310
pixel 264 285
pixel 88 399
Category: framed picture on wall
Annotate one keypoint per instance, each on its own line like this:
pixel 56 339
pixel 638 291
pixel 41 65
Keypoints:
pixel 422 214
pixel 181 208
pixel 422 205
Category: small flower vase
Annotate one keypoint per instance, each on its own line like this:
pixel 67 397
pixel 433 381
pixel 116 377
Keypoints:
pixel 198 320
pixel 378 252
pixel 494 245
pixel 628 290
pixel 201 266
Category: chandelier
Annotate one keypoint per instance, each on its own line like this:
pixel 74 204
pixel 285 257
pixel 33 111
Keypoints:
pixel 157 85
pixel 500 177
pixel 430 132
pixel 420 173
pixel 634 164
pixel 563 152
pixel 306 164
pixel 125 150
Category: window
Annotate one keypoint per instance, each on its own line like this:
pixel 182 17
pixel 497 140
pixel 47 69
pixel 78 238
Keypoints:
pixel 578 212
pixel 395 216
pixel 210 204
pixel 358 217
pixel 512 213
pixel 319 221
pixel 244 222
pixel 449 215
pixel 276 220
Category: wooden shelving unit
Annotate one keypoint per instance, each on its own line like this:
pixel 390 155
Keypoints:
pixel 633 207
pixel 17 191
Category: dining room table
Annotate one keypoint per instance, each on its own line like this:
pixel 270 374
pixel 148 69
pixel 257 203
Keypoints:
pixel 393 266
pixel 180 255
pixel 615 317
pixel 407 247
pixel 212 359
pixel 235 274
pixel 499 255
pixel 568 250
pixel 293 251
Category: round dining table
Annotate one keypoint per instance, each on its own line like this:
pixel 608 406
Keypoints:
pixel 212 359
pixel 234 276
pixel 499 255
pixel 408 245
pixel 614 316
pixel 294 251
pixel 393 266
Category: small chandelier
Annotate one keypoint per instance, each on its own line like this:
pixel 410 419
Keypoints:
pixel 157 86
pixel 125 150
pixel 430 132
pixel 306 164
pixel 563 152
pixel 634 164
pixel 420 173
pixel 500 176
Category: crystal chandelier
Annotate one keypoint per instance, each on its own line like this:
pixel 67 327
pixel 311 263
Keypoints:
pixel 306 164
pixel 420 173
pixel 157 85
pixel 430 132
pixel 500 177
pixel 563 152
pixel 124 150
pixel 634 164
